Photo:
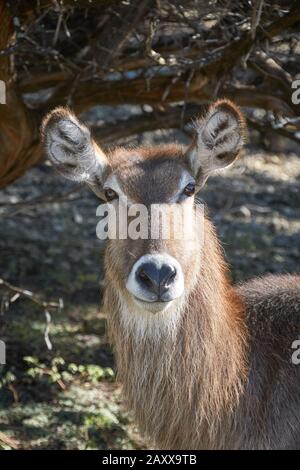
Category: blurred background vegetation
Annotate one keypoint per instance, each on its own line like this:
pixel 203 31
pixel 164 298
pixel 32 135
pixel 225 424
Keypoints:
pixel 136 72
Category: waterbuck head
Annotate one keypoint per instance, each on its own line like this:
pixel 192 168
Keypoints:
pixel 149 272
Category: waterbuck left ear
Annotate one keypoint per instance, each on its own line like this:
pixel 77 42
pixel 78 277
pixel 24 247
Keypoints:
pixel 218 141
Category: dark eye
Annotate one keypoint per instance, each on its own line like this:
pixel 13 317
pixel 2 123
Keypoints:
pixel 189 190
pixel 110 194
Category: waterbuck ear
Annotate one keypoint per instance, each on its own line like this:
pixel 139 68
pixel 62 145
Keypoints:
pixel 218 141
pixel 71 149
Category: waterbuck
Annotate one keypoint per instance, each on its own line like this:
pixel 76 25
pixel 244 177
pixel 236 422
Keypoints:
pixel 203 363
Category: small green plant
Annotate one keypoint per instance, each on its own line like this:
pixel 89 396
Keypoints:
pixel 60 373
pixel 7 379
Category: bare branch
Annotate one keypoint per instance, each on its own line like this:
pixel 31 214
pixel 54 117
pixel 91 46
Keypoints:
pixel 8 441
pixel 32 296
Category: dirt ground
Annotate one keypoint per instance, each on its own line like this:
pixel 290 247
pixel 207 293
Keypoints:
pixel 67 397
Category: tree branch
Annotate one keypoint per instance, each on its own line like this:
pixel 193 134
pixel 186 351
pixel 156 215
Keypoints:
pixel 32 296
pixel 140 90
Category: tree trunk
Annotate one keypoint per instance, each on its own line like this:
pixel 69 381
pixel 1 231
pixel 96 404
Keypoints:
pixel 18 129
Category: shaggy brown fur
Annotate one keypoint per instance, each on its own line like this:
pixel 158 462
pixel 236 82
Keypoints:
pixel 223 379
pixel 185 387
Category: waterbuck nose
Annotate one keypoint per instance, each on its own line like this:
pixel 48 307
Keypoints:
pixel 156 279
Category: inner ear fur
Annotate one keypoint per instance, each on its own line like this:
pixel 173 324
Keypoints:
pixel 71 149
pixel 219 138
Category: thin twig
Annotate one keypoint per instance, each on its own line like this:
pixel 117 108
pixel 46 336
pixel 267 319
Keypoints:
pixel 52 304
pixel 46 334
pixel 8 441
pixel 256 15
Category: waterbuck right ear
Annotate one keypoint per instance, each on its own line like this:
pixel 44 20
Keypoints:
pixel 71 149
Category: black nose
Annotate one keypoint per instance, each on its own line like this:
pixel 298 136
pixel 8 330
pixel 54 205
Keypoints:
pixel 156 279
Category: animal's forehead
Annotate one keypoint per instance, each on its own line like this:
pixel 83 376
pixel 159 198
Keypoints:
pixel 151 180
